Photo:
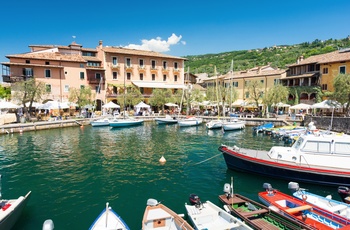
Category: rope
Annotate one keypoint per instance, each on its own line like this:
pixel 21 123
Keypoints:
pixel 207 159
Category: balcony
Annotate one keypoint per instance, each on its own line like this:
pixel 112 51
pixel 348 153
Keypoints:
pixel 115 67
pixel 13 79
pixel 94 81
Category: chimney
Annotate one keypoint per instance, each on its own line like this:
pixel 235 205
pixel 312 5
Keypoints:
pixel 100 43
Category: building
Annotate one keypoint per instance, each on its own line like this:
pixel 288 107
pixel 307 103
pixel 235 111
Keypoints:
pixel 105 69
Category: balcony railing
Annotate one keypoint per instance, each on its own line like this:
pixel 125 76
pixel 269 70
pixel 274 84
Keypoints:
pixel 94 81
pixel 13 79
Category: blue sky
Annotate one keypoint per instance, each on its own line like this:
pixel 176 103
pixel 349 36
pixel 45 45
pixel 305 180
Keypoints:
pixel 177 28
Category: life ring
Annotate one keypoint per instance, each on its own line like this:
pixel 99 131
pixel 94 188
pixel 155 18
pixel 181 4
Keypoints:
pixel 304 197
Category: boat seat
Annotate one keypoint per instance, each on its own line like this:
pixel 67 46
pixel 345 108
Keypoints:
pixel 298 209
pixel 256 212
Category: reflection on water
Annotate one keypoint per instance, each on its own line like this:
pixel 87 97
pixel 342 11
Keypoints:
pixel 73 172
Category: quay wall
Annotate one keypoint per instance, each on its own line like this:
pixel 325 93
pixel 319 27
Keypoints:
pixel 337 124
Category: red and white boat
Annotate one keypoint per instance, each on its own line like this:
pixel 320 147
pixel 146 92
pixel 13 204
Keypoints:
pixel 300 210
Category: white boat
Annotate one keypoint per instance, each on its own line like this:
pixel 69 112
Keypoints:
pixel 208 216
pixel 316 157
pixel 327 203
pixel 158 216
pixel 165 120
pixel 234 124
pixel 10 210
pixel 117 123
pixel 214 124
pixel 190 121
pixel 109 220
pixel 100 122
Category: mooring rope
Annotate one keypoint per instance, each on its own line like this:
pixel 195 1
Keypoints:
pixel 207 159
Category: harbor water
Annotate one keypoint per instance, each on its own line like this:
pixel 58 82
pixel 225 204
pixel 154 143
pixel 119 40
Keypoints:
pixel 72 172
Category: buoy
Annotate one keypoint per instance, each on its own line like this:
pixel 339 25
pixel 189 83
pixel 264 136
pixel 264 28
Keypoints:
pixel 162 160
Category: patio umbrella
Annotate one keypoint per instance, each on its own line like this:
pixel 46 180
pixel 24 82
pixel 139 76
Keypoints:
pixel 171 105
pixel 326 104
pixel 111 105
pixel 54 105
pixel 8 105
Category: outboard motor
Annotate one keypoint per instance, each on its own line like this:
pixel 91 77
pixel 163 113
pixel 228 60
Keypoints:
pixel 152 202
pixel 344 193
pixel 194 200
pixel 227 190
pixel 48 225
pixel 293 186
pixel 268 189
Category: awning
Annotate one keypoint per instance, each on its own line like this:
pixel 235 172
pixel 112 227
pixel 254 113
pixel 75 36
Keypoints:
pixel 162 85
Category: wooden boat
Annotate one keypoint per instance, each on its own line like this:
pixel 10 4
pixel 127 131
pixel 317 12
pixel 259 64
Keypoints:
pixel 210 217
pixel 300 210
pixel 10 210
pixel 158 216
pixel 256 215
pixel 333 206
pixel 190 121
pixel 313 158
pixel 109 220
pixel 165 120
pixel 234 124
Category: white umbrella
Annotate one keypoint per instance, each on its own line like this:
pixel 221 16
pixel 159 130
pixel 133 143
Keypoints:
pixel 34 104
pixel 111 105
pixel 326 104
pixel 281 104
pixel 300 106
pixel 171 105
pixel 142 105
pixel 54 105
pixel 8 105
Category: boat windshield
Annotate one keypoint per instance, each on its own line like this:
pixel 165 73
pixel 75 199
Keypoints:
pixel 298 143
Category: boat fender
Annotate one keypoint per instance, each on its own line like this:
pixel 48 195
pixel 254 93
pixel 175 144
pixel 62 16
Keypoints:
pixel 303 216
pixel 304 197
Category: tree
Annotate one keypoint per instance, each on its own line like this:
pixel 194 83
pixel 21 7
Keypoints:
pixel 159 97
pixel 341 84
pixel 255 88
pixel 29 91
pixel 277 93
pixel 5 92
pixel 80 96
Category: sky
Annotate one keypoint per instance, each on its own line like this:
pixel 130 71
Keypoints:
pixel 177 28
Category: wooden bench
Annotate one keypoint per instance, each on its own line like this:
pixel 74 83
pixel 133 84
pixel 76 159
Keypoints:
pixel 256 212
pixel 298 209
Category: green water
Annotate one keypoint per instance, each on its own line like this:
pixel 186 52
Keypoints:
pixel 73 172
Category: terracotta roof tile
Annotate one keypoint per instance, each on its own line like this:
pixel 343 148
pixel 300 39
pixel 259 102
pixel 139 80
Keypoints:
pixel 335 56
pixel 50 56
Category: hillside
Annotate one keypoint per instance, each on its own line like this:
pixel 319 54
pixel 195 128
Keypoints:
pixel 278 56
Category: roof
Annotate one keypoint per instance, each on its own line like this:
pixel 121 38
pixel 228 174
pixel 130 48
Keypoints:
pixel 121 50
pixel 50 56
pixel 153 84
pixel 29 65
pixel 63 47
pixel 335 56
pixel 316 74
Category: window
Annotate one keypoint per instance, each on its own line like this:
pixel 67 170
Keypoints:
pixel 235 84
pixel 141 76
pixel 28 61
pixel 153 64
pixel 47 73
pixel 115 75
pixel 175 77
pixel 128 62
pixel 28 72
pixel 342 69
pixel 82 76
pixel 176 65
pixel 97 88
pixel 262 81
pixel 324 86
pixel 98 76
pixel 325 70
pixel 128 76
pixel 95 64
pixel 341 148
pixel 66 88
pixel 276 81
pixel 153 77
pixel 114 61
pixel 247 95
pixel 82 86
pixel 165 65
pixel 47 63
pixel 48 88
pixel 141 63
pixel 81 65
pixel 164 77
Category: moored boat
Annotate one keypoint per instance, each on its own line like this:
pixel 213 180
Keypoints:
pixel 109 220
pixel 256 215
pixel 165 120
pixel 335 207
pixel 214 124
pixel 118 123
pixel 344 193
pixel 299 209
pixel 158 216
pixel 100 122
pixel 313 158
pixel 208 216
pixel 233 124
pixel 261 128
pixel 190 121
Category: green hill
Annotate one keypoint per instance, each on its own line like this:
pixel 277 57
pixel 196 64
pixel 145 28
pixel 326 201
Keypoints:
pixel 278 56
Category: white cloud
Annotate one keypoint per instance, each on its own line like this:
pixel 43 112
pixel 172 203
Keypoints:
pixel 157 44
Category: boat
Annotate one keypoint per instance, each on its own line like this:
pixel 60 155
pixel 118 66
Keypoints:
pixel 233 124
pixel 100 122
pixel 11 209
pixel 261 128
pixel 214 124
pixel 327 203
pixel 257 215
pixel 109 220
pixel 208 216
pixel 313 158
pixel 190 121
pixel 344 193
pixel 158 216
pixel 299 209
pixel 166 120
pixel 125 122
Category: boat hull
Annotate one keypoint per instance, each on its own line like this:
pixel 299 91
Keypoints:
pixel 238 161
pixel 228 126
pixel 164 121
pixel 123 123
pixel 10 218
pixel 109 219
pixel 190 122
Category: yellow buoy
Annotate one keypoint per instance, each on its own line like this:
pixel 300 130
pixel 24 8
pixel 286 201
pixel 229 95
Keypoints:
pixel 162 160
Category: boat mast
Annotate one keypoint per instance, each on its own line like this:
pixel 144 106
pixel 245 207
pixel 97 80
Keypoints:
pixel 231 72
pixel 124 96
pixel 217 90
